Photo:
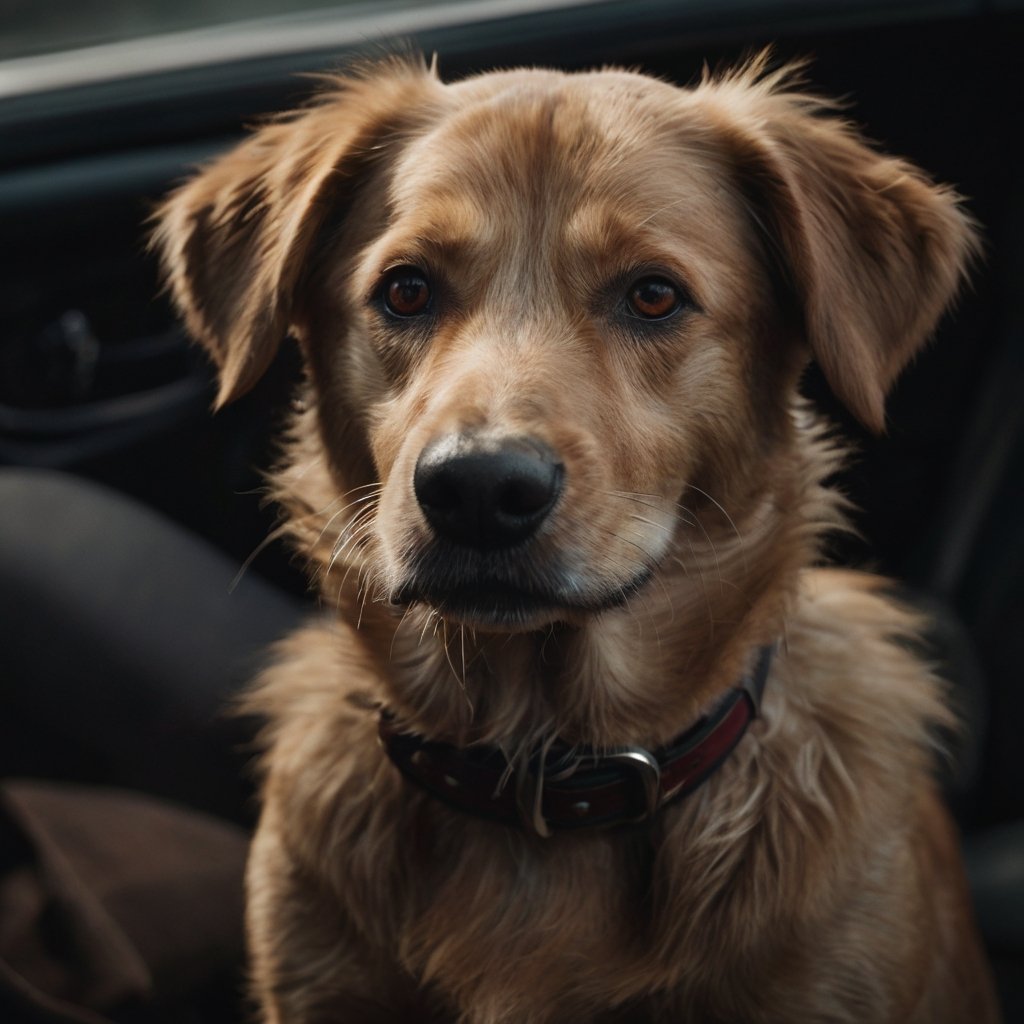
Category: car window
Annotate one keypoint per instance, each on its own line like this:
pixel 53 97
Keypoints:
pixel 33 27
pixel 50 45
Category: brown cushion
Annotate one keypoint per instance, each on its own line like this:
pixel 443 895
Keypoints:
pixel 114 906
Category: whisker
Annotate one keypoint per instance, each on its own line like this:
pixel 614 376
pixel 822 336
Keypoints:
pixel 358 524
pixel 632 494
pixel 365 591
pixel 353 537
pixel 398 629
pixel 280 531
pixel 274 535
pixel 728 518
pixel 341 512
pixel 448 653
pixel 431 614
pixel 714 551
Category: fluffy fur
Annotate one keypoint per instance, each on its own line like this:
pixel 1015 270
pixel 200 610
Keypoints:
pixel 815 876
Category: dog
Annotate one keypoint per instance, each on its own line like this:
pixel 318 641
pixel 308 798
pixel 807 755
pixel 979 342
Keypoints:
pixel 586 734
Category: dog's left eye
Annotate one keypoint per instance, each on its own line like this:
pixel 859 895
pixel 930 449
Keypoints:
pixel 654 298
pixel 406 292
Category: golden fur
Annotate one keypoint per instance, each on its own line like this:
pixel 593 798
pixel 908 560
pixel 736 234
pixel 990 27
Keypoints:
pixel 815 876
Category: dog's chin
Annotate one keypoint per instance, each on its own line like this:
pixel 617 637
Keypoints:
pixel 499 605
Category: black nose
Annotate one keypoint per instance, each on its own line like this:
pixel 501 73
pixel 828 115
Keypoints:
pixel 486 494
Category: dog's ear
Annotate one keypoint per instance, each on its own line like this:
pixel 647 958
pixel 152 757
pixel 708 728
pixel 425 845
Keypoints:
pixel 235 239
pixel 872 250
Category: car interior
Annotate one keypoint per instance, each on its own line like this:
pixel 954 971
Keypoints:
pixel 141 580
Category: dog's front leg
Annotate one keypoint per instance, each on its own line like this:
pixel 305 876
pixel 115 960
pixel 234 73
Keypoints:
pixel 308 964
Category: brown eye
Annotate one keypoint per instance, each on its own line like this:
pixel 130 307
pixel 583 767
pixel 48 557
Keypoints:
pixel 406 292
pixel 654 298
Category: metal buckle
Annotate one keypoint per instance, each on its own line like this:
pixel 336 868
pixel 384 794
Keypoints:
pixel 647 772
pixel 640 764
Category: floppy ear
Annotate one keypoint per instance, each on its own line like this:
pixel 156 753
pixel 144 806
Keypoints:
pixel 235 239
pixel 872 250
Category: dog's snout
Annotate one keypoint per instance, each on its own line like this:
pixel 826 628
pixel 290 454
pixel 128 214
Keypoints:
pixel 487 495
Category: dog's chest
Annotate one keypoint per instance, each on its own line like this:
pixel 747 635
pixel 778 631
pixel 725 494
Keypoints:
pixel 495 919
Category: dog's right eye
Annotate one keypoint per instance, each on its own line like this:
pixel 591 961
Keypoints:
pixel 405 292
pixel 654 298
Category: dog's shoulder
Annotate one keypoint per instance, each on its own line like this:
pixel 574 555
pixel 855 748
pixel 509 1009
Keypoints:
pixel 316 702
pixel 853 675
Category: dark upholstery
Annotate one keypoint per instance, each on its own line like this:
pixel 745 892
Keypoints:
pixel 122 644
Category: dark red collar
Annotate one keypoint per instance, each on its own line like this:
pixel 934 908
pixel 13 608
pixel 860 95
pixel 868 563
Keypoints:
pixel 568 788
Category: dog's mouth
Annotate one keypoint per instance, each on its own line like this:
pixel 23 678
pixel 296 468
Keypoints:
pixel 508 598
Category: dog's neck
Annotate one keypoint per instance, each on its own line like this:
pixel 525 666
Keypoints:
pixel 639 674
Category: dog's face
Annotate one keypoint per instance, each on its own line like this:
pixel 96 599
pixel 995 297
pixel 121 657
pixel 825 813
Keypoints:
pixel 561 314
pixel 550 318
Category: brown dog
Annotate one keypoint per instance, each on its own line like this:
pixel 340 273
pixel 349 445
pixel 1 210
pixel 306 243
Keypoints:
pixel 552 469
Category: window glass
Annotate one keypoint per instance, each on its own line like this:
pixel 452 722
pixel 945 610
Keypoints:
pixel 30 27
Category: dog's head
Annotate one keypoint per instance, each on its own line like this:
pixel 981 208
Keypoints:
pixel 549 317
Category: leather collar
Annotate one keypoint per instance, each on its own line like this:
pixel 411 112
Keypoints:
pixel 572 788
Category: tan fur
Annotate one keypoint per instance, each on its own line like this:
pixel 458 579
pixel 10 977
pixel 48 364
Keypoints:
pixel 815 876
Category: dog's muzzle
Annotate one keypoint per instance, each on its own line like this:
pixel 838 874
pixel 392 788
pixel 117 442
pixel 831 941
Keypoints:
pixel 488 556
